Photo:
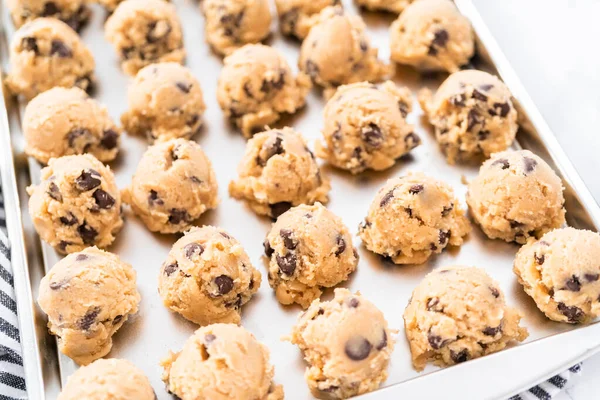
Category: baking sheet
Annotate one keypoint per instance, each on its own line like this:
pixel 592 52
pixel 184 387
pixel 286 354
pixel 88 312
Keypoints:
pixel 147 337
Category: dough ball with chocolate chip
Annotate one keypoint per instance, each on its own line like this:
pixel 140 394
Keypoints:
pixel 165 102
pixel 516 196
pixel 309 248
pixel 108 379
pixel 64 121
pixel 208 277
pixel 278 171
pixel 365 127
pixel 144 32
pixel 337 51
pixel 174 184
pixel 74 13
pixel 457 314
pixel 472 114
pixel 88 296
pixel 76 204
pixel 230 24
pixel 346 343
pixel 413 217
pixel 561 273
pixel 392 6
pixel 256 86
pixel 221 361
pixel 296 17
pixel 45 53
pixel 432 35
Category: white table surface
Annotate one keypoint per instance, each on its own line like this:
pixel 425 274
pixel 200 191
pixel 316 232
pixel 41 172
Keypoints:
pixel 552 44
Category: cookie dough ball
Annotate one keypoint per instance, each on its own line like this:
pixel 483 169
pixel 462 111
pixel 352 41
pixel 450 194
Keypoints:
pixel 76 204
pixel 74 13
pixel 472 114
pixel 432 35
pixel 337 51
pixel 208 277
pixel 413 217
pixel 88 296
pixel 221 361
pixel 165 102
pixel 103 379
pixel 256 86
pixel 458 314
pixel 297 16
pixel 393 6
pixel 144 32
pixel 45 53
pixel 309 248
pixel 365 127
pixel 516 196
pixel 64 121
pixel 561 273
pixel 230 24
pixel 278 171
pixel 174 184
pixel 346 343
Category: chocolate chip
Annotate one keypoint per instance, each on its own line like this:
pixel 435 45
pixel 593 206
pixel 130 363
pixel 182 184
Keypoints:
pixel 169 269
pixel 416 189
pixel 479 96
pixel 209 338
pixel 103 199
pixel 110 139
pixel 384 341
pixel 62 245
pixel 60 49
pixel 372 135
pixel 341 245
pixel 495 292
pixel 539 259
pixel 269 149
pixel 433 247
pixel 573 314
pixel 412 140
pixel 483 135
pixel 386 198
pixel 403 108
pixel 29 44
pixel 225 235
pixel 503 162
pixel 432 304
pixel 268 249
pixel 515 224
pixel 492 331
pixel 311 69
pixel 224 284
pixel 117 319
pixel 287 263
pixel 54 192
pixel 443 237
pixel 192 249
pixel 501 108
pixel 89 318
pixel 80 138
pixel 58 285
pixel 185 87
pixel 358 348
pixel 154 199
pixel 447 210
pixel 473 118
pixel 440 38
pixel 573 284
pixel 458 100
pixel 177 216
pixel 88 180
pixel 195 179
pixel 486 86
pixel 69 219
pixel 364 46
pixel 353 302
pixel 459 357
pixel 279 208
pixel 49 9
pixel 288 241
pixel 357 154
pixel 81 257
pixel 529 164
pixel 591 277
pixel 157 30
pixel 87 233
pixel 268 86
pixel 436 342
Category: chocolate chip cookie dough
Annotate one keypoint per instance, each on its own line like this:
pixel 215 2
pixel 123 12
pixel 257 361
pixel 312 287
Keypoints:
pixel 230 24
pixel 256 86
pixel 64 121
pixel 309 248
pixel 458 314
pixel 516 196
pixel 211 366
pixel 145 32
pixel 208 277
pixel 45 53
pixel 108 379
pixel 561 273
pixel 296 17
pixel 365 127
pixel 337 51
pixel 174 184
pixel 74 13
pixel 165 102
pixel 413 217
pixel 346 343
pixel 472 114
pixel 278 171
pixel 88 296
pixel 76 204
pixel 432 35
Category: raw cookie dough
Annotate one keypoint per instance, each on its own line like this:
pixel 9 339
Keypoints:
pixel 561 273
pixel 365 127
pixel 346 343
pixel 309 248
pixel 165 102
pixel 64 121
pixel 208 277
pixel 76 204
pixel 472 114
pixel 296 17
pixel 104 380
pixel 337 51
pixel 144 32
pixel 393 6
pixel 74 13
pixel 278 171
pixel 45 53
pixel 221 362
pixel 432 35
pixel 88 296
pixel 230 24
pixel 174 184
pixel 516 196
pixel 413 217
pixel 256 86
pixel 457 314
